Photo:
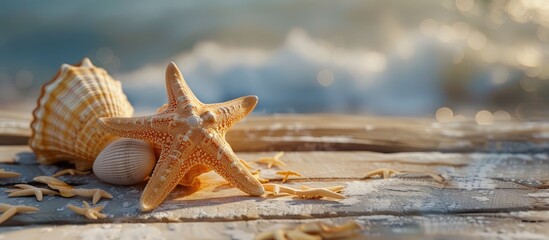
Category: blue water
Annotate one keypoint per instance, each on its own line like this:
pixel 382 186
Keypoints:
pixel 277 49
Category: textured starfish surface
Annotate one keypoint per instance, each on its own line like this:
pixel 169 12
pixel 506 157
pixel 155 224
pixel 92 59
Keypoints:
pixel 8 174
pixel 67 190
pixel 28 190
pixel 71 172
pixel 10 210
pixel 90 212
pixel 270 161
pixel 191 135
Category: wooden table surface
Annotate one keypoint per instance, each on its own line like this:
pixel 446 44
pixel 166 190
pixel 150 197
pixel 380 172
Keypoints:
pixel 496 183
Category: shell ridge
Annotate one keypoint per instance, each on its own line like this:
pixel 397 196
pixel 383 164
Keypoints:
pixel 64 125
pixel 125 161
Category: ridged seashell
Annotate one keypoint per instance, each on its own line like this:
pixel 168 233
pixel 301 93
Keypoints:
pixel 65 125
pixel 125 162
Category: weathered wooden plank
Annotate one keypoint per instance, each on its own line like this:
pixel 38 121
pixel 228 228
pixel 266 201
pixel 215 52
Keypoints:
pixel 345 133
pixel 13 130
pixel 513 225
pixel 13 154
pixel 477 183
pixel 521 168
pixel 390 197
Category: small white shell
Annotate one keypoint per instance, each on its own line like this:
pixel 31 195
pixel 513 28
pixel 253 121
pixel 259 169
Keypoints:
pixel 125 162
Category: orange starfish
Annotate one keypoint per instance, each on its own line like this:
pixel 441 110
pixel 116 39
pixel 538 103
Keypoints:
pixel 192 137
pixel 8 174
pixel 87 211
pixel 10 210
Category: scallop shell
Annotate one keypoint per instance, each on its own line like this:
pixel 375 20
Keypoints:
pixel 65 126
pixel 125 162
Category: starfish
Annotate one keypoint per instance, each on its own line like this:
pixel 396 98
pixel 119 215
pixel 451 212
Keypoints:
pixel 8 174
pixel 10 210
pixel 287 174
pixel 306 192
pixel 315 231
pixel 270 161
pixel 89 212
pixel 71 172
pixel 382 172
pixel 387 173
pixel 246 164
pixel 259 178
pixel 191 135
pixel 67 190
pixel 28 190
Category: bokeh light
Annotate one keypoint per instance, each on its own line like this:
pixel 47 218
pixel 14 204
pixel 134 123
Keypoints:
pixel 325 77
pixel 444 114
pixel 465 5
pixel 484 117
pixel 394 58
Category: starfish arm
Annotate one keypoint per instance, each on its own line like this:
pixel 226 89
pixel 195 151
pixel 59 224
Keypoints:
pixel 193 173
pixel 221 158
pixel 100 194
pixel 74 209
pixel 67 192
pixel 21 193
pixel 100 215
pixel 96 197
pixel 8 214
pixel 85 211
pixel 179 92
pixel 319 192
pixel 90 214
pixel 4 207
pixel 382 172
pixel 38 194
pixel 169 170
pixel 278 155
pixel 24 186
pixel 296 234
pixel 69 171
pixel 99 208
pixel 60 173
pixel 153 128
pixel 48 192
pixel 24 209
pixel 8 174
pixel 229 113
pixel 95 194
pixel 53 182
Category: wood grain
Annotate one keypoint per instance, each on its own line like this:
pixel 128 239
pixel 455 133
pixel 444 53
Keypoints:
pixel 476 183
pixel 347 133
pixel 513 225
pixel 496 183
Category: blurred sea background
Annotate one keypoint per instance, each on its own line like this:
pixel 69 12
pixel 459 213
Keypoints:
pixel 450 59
